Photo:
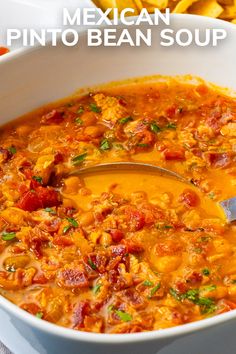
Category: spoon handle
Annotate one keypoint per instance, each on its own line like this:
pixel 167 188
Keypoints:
pixel 129 166
pixel 229 206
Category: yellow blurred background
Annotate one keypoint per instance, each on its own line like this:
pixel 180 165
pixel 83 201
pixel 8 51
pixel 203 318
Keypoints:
pixel 223 9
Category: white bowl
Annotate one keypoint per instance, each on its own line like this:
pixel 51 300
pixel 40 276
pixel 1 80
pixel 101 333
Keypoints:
pixel 31 78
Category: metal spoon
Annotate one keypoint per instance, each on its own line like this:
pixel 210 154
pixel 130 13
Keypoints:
pixel 228 205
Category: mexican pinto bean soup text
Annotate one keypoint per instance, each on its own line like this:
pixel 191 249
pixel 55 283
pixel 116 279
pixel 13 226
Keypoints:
pixel 126 252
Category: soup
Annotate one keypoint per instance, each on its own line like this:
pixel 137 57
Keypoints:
pixel 120 252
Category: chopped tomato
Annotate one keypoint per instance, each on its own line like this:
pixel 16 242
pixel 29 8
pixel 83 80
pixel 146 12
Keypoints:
pixel 53 117
pixel 172 155
pixel 42 197
pixel 189 198
pixel 4 50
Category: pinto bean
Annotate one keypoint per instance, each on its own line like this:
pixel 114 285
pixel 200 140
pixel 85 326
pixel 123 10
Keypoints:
pixel 87 219
pixel 95 131
pixel 55 310
pixel 166 264
pixel 88 119
pixel 105 239
pixel 12 263
pixel 72 185
pixel 23 130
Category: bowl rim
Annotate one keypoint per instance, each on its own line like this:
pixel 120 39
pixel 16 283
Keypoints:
pixel 200 20
pixel 105 338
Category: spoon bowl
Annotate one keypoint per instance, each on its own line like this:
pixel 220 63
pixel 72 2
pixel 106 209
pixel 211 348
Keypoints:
pixel 228 205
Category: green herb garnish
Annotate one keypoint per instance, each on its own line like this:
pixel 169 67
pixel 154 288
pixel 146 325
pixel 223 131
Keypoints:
pixel 203 239
pixel 155 128
pixel 211 195
pixel 39 315
pixel 38 179
pixel 206 271
pixel 79 159
pixel 143 145
pixel 66 228
pixel 125 120
pixel 147 283
pixel 198 250
pixel 171 126
pixel 73 222
pixel 96 288
pixel 79 121
pixel 110 308
pixel 154 290
pixel 94 108
pixel 80 110
pixel 175 294
pixel 191 295
pixel 124 316
pixel 105 145
pixel 209 288
pixel 207 305
pixel 92 265
pixel 50 211
pixel 12 150
pixel 164 227
pixel 118 146
pixel 8 236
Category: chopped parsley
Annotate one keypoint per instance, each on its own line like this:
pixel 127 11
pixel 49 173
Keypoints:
pixel 125 120
pixel 110 308
pixel 175 294
pixel 50 211
pixel 79 159
pixel 143 145
pixel 211 195
pixel 79 121
pixel 66 228
pixel 38 179
pixel 148 283
pixel 92 265
pixel 191 295
pixel 96 288
pixel 73 222
pixel 164 227
pixel 171 126
pixel 105 145
pixel 39 315
pixel 207 305
pixel 155 128
pixel 204 239
pixel 124 316
pixel 8 236
pixel 209 288
pixel 80 110
pixel 198 250
pixel 12 150
pixel 118 146
pixel 154 290
pixel 206 271
pixel 167 227
pixel 94 108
